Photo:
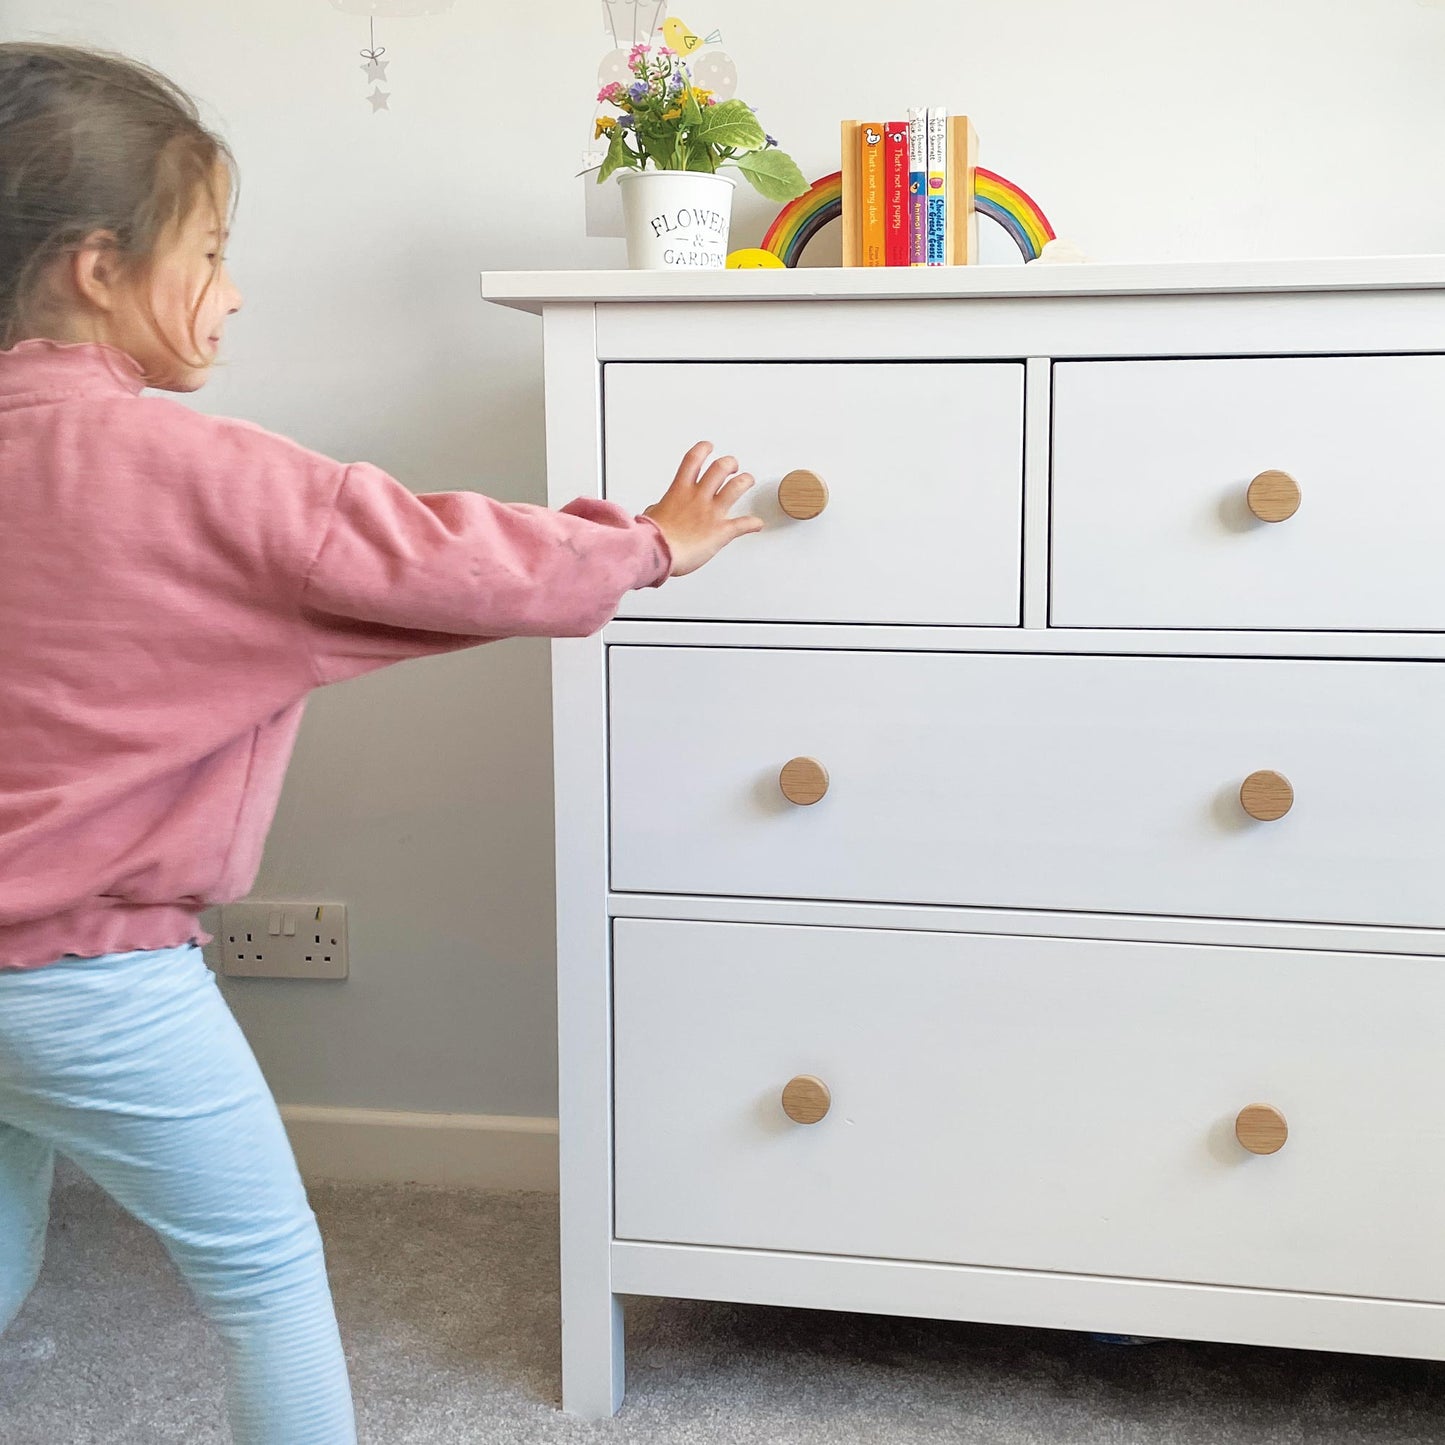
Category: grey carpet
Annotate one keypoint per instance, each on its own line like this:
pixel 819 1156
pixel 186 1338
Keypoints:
pixel 448 1303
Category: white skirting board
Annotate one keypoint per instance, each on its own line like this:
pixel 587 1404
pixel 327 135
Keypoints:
pixel 375 1146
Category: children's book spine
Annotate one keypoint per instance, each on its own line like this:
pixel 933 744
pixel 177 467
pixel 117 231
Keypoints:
pixel 870 137
pixel 937 185
pixel 895 215
pixel 917 187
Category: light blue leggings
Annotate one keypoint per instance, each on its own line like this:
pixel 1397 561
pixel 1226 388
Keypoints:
pixel 133 1066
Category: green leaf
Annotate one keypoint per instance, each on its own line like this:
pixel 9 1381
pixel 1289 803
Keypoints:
pixel 731 124
pixel 773 174
pixel 657 145
pixel 700 157
pixel 617 157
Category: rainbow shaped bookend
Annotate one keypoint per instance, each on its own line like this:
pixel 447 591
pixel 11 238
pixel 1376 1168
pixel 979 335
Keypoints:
pixel 803 217
pixel 1000 200
pixel 1015 210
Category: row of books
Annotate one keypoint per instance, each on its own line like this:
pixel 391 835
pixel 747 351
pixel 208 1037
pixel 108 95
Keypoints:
pixel 908 190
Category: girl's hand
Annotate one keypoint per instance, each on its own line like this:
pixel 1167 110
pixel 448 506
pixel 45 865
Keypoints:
pixel 693 514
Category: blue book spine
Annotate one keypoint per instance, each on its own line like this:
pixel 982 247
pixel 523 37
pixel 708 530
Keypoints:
pixel 917 187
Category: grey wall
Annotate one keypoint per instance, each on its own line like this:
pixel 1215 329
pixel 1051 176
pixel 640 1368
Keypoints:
pixel 421 797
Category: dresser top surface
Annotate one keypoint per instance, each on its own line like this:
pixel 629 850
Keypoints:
pixel 533 290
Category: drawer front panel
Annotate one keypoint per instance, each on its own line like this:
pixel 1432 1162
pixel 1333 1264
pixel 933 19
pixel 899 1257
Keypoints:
pixel 1104 784
pixel 923 466
pixel 1150 499
pixel 1034 1103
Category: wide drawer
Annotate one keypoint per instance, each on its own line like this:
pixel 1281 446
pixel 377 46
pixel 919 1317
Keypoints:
pixel 923 466
pixel 1106 784
pixel 1156 463
pixel 1034 1103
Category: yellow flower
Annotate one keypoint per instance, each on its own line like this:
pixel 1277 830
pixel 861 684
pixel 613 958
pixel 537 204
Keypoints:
pixel 673 114
pixel 703 96
pixel 604 124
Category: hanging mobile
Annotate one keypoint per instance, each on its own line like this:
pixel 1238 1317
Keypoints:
pixel 375 69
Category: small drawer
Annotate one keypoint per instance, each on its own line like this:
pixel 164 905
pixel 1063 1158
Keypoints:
pixel 1300 492
pixel 1207 787
pixel 922 473
pixel 1232 1116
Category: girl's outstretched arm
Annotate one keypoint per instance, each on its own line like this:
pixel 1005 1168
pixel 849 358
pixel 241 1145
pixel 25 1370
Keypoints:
pixel 399 575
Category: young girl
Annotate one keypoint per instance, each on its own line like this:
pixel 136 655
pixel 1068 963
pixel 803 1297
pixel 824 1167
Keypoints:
pixel 172 586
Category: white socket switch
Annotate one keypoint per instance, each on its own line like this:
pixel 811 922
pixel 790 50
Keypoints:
pixel 261 939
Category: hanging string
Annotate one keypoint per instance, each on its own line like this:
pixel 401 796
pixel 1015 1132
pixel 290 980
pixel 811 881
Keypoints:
pixel 373 55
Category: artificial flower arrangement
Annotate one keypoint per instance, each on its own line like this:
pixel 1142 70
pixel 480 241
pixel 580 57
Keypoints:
pixel 670 124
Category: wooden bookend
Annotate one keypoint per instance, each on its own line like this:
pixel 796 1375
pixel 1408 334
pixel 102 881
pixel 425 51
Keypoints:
pixel 852 169
pixel 962 232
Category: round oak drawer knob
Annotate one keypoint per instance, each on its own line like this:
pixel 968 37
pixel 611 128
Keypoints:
pixel 803 781
pixel 1266 795
pixel 806 1100
pixel 802 494
pixel 1273 496
pixel 1261 1129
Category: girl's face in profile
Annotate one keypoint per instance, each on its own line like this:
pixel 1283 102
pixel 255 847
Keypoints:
pixel 186 282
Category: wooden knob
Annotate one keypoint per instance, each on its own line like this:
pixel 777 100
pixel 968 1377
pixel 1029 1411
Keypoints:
pixel 803 781
pixel 806 1099
pixel 1261 1129
pixel 802 494
pixel 1266 795
pixel 1273 496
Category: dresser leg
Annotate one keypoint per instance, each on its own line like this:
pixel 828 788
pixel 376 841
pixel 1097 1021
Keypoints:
pixel 593 1357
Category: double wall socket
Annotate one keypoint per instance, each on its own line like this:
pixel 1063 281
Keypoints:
pixel 261 939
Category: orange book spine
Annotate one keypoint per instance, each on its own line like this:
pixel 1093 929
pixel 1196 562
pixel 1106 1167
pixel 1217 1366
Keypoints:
pixel 873 200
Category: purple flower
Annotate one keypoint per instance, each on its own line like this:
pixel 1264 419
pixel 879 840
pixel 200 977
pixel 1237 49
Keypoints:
pixel 639 92
pixel 771 143
pixel 626 122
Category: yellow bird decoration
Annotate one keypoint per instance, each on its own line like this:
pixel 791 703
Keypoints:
pixel 684 41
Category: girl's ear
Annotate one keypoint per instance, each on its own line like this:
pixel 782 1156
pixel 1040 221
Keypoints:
pixel 96 272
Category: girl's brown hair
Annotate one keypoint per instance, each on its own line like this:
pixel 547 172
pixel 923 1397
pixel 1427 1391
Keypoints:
pixel 91 141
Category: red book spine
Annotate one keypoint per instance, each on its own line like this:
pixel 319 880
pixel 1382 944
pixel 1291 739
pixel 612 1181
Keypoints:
pixel 895 180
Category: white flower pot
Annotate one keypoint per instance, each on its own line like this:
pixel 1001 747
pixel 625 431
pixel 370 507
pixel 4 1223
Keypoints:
pixel 676 220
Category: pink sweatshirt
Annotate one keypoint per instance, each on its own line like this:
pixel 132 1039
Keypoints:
pixel 172 586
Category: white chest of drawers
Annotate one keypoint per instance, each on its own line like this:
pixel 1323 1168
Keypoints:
pixel 1096 977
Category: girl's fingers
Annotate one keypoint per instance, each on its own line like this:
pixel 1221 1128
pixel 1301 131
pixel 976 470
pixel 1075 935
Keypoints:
pixel 691 465
pixel 732 492
pixel 720 470
pixel 744 527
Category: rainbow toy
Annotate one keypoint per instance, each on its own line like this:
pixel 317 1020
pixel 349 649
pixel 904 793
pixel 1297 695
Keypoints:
pixel 803 217
pixel 1015 210
pixel 1000 200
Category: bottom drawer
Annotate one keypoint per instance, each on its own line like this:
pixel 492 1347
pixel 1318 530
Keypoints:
pixel 1031 1103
